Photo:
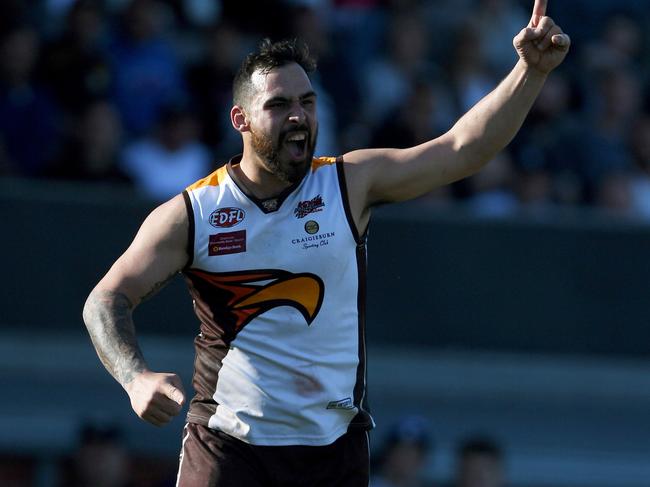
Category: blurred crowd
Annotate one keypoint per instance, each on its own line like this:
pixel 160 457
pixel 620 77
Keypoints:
pixel 408 450
pixel 404 458
pixel 101 457
pixel 139 91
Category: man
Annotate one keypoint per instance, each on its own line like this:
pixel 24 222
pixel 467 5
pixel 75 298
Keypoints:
pixel 479 464
pixel 403 456
pixel 273 248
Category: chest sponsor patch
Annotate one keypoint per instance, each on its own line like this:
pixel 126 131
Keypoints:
pixel 313 205
pixel 226 217
pixel 227 243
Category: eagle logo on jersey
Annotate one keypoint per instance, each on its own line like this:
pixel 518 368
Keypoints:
pixel 242 296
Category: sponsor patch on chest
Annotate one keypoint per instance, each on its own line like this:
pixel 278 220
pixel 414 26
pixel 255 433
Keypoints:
pixel 227 243
pixel 313 205
pixel 313 241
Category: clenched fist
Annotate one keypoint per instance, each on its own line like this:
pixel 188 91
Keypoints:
pixel 156 397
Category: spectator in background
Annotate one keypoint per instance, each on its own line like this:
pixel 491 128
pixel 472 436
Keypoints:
pixel 544 149
pixel 566 153
pixel 92 152
pixel 414 122
pixel 619 46
pixel 210 81
pixel 308 25
pixel 101 460
pixel 443 18
pixel 479 464
pixel 163 165
pixel 492 191
pixel 627 191
pixel 388 79
pixel 12 14
pixel 146 72
pixel 403 455
pixel 336 72
pixel 603 148
pixel 192 14
pixel 357 27
pixel 499 21
pixel 534 188
pixel 28 116
pixel 269 20
pixel 613 193
pixel 76 65
pixel 614 102
pixel 640 177
pixel 469 76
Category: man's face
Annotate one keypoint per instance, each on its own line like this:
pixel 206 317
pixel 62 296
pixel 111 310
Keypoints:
pixel 283 122
pixel 478 470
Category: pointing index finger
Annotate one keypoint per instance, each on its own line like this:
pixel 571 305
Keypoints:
pixel 539 11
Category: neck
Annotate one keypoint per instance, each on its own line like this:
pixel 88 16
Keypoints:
pixel 261 182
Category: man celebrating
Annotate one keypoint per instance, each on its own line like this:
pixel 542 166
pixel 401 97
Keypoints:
pixel 272 246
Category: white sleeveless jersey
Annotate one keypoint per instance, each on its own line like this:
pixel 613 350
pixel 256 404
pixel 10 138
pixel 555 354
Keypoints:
pixel 279 288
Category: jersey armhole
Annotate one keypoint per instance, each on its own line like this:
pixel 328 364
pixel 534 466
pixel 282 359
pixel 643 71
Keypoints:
pixel 359 239
pixel 190 230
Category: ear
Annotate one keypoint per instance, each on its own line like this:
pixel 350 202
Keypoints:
pixel 239 119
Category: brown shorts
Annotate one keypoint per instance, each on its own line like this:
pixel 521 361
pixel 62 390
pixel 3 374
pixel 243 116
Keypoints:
pixel 210 458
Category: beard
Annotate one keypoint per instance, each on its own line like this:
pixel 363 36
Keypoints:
pixel 284 168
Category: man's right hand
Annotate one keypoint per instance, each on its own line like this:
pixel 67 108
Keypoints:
pixel 156 397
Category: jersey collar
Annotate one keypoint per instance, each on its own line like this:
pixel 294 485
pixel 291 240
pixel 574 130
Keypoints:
pixel 267 205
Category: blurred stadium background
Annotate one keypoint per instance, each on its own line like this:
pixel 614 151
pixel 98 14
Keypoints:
pixel 512 305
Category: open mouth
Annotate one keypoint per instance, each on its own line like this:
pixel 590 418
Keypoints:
pixel 296 144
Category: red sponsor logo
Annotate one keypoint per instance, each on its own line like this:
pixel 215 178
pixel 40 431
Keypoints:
pixel 313 205
pixel 227 243
pixel 226 217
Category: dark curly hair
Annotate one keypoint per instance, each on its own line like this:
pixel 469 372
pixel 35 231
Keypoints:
pixel 269 55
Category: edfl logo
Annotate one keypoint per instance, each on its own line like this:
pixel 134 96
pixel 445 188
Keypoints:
pixel 226 217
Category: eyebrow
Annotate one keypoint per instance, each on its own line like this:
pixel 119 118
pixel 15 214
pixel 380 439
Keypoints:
pixel 309 94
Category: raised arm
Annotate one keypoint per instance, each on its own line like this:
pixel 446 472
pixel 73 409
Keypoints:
pixel 154 257
pixel 386 175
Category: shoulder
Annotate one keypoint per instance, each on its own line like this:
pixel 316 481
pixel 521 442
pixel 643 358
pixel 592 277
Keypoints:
pixel 319 162
pixel 172 210
pixel 168 223
pixel 360 165
pixel 213 179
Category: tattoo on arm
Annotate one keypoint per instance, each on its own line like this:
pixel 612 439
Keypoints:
pixel 158 286
pixel 107 315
